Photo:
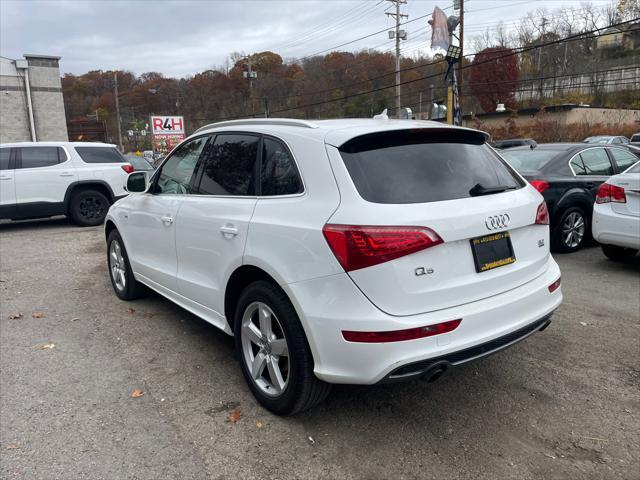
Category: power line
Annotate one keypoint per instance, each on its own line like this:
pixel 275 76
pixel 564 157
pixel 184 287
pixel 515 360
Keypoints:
pixel 579 36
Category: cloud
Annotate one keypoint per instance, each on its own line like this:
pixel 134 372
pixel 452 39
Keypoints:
pixel 180 38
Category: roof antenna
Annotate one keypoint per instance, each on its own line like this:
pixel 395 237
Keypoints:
pixel 381 116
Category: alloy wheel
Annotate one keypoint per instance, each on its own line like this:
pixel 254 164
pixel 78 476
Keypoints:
pixel 117 265
pixel 573 229
pixel 264 349
pixel 91 207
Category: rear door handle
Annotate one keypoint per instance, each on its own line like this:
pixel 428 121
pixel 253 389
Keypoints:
pixel 66 174
pixel 229 230
pixel 167 219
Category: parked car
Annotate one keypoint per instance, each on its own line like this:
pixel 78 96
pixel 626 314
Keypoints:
pixel 139 163
pixel 616 215
pixel 568 176
pixel 607 140
pixel 635 140
pixel 514 142
pixel 340 251
pixel 43 179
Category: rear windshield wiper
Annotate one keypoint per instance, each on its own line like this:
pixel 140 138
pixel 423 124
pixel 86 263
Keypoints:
pixel 479 190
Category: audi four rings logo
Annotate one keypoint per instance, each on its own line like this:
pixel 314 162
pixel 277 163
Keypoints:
pixel 497 221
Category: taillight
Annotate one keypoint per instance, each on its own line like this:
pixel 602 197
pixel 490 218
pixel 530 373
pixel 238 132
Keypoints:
pixel 542 215
pixel 539 185
pixel 610 193
pixel 401 335
pixel 358 247
pixel 127 168
pixel 555 285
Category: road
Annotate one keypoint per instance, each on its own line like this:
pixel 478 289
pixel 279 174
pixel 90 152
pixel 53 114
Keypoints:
pixel 564 404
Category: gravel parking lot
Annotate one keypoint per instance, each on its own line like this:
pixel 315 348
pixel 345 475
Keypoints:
pixel 563 404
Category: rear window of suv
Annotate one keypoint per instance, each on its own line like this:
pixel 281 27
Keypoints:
pixel 420 166
pixel 100 155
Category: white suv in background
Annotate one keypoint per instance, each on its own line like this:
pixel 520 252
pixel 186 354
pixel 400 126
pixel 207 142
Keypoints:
pixel 340 251
pixel 77 179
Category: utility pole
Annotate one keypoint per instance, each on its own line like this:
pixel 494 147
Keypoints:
pixel 544 25
pixel 115 79
pixel 460 69
pixel 250 75
pixel 398 35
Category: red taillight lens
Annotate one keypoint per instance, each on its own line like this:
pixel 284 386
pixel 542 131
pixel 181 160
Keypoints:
pixel 610 193
pixel 539 185
pixel 401 335
pixel 127 168
pixel 542 215
pixel 555 285
pixel 358 247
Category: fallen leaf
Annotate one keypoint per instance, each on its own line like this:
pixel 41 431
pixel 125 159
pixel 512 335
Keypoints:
pixel 311 440
pixel 15 316
pixel 75 319
pixel 45 346
pixel 38 315
pixel 137 393
pixel 584 324
pixel 235 415
pixel 259 424
pixel 13 446
pixel 148 315
pixel 131 310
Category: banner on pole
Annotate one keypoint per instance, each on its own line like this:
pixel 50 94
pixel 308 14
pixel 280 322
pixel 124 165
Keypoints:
pixel 439 30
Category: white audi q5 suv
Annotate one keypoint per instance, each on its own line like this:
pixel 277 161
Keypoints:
pixel 340 251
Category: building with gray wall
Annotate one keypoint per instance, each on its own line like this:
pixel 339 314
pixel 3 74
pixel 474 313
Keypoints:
pixel 31 103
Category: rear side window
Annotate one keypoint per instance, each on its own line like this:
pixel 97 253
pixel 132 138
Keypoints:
pixel 229 165
pixel 279 175
pixel 100 155
pixel 5 156
pixel 424 166
pixel 596 162
pixel 39 157
pixel 529 160
pixel 623 158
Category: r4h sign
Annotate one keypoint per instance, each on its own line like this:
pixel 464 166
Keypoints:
pixel 162 125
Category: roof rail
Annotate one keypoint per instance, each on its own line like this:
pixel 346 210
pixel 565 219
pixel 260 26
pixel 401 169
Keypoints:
pixel 289 122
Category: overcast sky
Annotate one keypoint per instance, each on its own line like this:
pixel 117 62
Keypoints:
pixel 181 38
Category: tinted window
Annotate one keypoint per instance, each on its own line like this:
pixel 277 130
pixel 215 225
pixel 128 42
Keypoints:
pixel 5 155
pixel 423 166
pixel 623 158
pixel 279 174
pixel 38 157
pixel 176 173
pixel 616 140
pixel 100 155
pixel 229 166
pixel 596 162
pixel 577 166
pixel 528 160
pixel 635 138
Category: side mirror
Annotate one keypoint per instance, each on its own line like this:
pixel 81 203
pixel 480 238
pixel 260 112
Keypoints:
pixel 137 182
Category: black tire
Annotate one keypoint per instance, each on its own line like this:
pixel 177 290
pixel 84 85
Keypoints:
pixel 618 254
pixel 88 208
pixel 558 236
pixel 303 389
pixel 131 288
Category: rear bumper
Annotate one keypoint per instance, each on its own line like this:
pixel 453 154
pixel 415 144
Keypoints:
pixel 329 305
pixel 611 228
pixel 426 367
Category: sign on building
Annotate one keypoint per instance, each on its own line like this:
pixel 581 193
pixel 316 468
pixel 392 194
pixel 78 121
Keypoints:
pixel 167 131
